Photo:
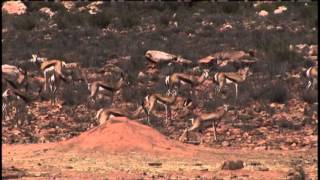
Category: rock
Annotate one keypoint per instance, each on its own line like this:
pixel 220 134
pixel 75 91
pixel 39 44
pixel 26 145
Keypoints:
pixel 262 142
pixel 14 7
pixel 260 148
pixel 235 131
pixel 262 168
pixel 263 13
pixel 157 164
pixel 232 165
pixel 68 5
pixel 225 27
pixel 283 147
pixel 225 144
pixel 280 10
pixel 47 11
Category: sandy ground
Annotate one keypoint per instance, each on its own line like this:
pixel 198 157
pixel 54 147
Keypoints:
pixel 87 157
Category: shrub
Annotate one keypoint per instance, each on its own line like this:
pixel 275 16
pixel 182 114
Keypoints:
pixel 277 92
pixel 211 105
pixel 132 94
pixel 128 20
pixel 67 20
pixel 100 20
pixel 310 96
pixel 25 22
pixel 164 19
pixel 230 8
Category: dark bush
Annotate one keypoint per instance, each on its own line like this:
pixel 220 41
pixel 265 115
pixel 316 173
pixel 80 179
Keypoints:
pixel 67 20
pixel 36 5
pixel 25 21
pixel 159 6
pixel 210 105
pixel 129 20
pixel 230 8
pixel 164 19
pixel 310 96
pixel 100 20
pixel 133 95
pixel 277 92
pixel 75 94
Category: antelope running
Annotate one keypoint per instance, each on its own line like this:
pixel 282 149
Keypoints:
pixel 166 100
pixel 97 86
pixel 205 120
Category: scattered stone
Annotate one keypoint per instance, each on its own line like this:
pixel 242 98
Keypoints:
pixel 280 10
pixel 225 27
pixel 263 13
pixel 68 5
pixel 47 11
pixel 225 144
pixel 260 148
pixel 259 168
pixel 232 165
pixel 157 164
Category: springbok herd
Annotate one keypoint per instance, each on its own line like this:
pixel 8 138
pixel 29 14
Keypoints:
pixel 17 84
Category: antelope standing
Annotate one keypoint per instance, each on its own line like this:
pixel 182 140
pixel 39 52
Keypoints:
pixel 49 67
pixel 312 75
pixel 235 78
pixel 176 79
pixel 97 86
pixel 166 100
pixel 205 120
pixel 104 114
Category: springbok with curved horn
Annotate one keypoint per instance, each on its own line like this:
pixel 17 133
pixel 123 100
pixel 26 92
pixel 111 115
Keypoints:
pixel 176 79
pixel 205 120
pixel 166 100
pixel 235 78
pixel 49 67
pixel 97 86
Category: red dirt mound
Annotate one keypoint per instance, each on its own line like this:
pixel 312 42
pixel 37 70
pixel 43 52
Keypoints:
pixel 123 135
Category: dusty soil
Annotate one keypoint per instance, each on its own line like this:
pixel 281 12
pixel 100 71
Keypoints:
pixel 127 149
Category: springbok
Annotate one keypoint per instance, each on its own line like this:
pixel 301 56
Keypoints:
pixel 105 114
pixel 49 67
pixel 312 75
pixel 97 86
pixel 166 100
pixel 176 79
pixel 204 120
pixel 235 78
